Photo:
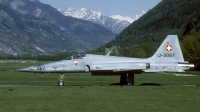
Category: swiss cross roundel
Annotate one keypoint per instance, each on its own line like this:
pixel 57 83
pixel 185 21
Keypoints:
pixel 76 63
pixel 169 47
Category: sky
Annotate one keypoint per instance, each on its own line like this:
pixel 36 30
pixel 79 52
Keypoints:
pixel 107 7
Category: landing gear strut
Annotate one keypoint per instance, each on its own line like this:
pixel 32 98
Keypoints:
pixel 131 79
pixel 123 78
pixel 61 83
pixel 127 79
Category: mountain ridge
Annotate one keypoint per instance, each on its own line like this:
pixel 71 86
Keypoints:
pixel 114 23
pixel 28 34
pixel 127 18
pixel 87 34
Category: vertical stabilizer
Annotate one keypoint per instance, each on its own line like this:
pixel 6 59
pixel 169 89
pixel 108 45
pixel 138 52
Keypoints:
pixel 169 50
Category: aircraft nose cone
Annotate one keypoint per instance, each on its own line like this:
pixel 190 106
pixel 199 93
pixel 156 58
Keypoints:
pixel 23 70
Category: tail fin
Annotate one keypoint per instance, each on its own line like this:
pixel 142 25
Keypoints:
pixel 169 51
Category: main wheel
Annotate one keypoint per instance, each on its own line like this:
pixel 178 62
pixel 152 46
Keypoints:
pixel 60 83
pixel 123 79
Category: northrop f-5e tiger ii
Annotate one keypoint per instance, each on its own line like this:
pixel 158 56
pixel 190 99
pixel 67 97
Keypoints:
pixel 168 58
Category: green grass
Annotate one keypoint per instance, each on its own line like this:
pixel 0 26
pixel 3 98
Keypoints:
pixel 83 92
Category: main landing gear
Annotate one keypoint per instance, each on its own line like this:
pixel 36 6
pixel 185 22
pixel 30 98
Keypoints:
pixel 127 79
pixel 61 83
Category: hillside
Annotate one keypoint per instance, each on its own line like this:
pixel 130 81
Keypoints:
pixel 143 36
pixel 191 41
pixel 20 34
pixel 81 35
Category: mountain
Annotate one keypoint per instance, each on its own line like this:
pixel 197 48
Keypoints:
pixel 169 17
pixel 20 34
pixel 129 19
pixel 84 33
pixel 115 23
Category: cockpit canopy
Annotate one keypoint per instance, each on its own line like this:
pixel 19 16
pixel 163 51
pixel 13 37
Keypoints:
pixel 75 56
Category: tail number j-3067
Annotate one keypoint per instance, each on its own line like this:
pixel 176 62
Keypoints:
pixel 166 55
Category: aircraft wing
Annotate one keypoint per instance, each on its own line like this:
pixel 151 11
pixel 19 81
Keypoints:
pixel 118 67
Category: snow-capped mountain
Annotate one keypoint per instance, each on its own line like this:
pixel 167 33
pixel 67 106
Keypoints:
pixel 129 19
pixel 115 23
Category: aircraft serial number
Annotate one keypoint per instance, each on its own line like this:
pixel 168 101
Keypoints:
pixel 167 55
pixel 40 68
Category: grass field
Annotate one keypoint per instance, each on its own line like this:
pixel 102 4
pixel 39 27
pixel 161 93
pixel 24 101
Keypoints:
pixel 82 92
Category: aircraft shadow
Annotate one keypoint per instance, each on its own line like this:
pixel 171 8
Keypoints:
pixel 143 84
pixel 150 84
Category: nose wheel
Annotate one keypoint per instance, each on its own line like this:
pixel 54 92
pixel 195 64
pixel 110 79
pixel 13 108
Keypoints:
pixel 61 83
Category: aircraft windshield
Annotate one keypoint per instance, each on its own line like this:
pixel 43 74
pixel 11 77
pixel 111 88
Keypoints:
pixel 76 56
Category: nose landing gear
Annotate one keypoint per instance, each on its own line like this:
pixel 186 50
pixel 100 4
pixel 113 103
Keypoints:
pixel 61 83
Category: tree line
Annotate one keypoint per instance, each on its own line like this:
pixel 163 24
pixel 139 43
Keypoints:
pixel 55 57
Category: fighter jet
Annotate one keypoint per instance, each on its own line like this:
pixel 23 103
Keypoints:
pixel 168 58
